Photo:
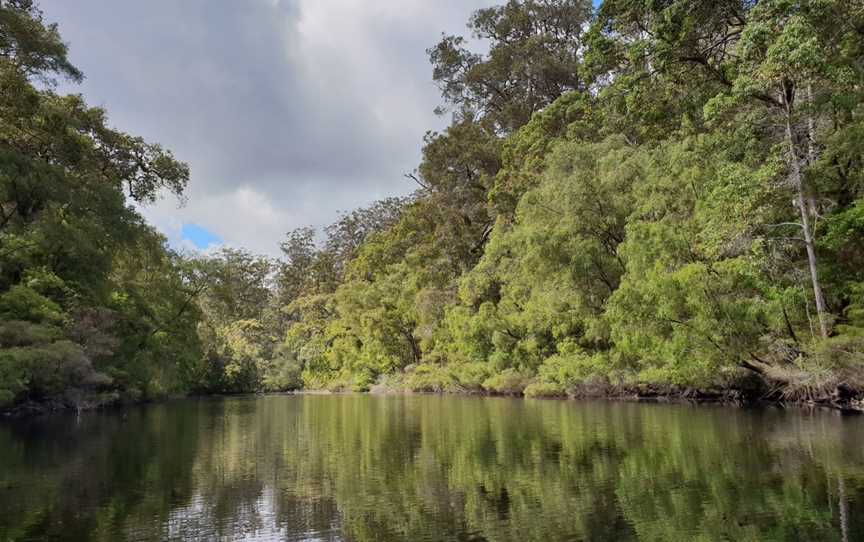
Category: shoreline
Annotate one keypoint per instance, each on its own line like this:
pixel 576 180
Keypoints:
pixel 697 399
pixel 853 405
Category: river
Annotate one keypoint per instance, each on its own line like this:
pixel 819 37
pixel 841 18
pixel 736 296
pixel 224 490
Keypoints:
pixel 359 467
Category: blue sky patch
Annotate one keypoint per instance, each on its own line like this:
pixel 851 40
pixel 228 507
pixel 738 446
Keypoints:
pixel 200 237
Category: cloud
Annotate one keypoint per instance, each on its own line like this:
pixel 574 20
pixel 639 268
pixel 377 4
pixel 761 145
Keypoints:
pixel 199 237
pixel 288 111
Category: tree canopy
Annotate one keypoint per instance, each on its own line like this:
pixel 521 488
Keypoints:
pixel 649 196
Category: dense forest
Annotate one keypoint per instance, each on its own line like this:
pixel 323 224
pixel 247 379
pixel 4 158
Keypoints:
pixel 644 197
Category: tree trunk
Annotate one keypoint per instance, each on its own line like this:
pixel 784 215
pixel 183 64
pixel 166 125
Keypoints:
pixel 844 510
pixel 804 208
pixel 812 155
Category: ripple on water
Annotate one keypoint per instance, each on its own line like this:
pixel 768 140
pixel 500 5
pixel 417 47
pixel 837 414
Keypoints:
pixel 334 468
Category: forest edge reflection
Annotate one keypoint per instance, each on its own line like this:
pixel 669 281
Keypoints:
pixel 359 467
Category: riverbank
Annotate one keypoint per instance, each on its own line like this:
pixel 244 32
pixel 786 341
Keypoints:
pixel 841 398
pixel 745 388
pixel 32 409
pixel 838 401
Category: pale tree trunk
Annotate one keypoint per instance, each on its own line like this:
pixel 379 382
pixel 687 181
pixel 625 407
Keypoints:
pixel 804 208
pixel 812 155
pixel 811 127
pixel 844 510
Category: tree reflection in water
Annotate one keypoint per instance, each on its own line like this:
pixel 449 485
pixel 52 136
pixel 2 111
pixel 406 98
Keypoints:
pixel 432 468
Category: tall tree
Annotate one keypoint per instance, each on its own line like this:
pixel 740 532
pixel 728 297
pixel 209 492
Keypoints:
pixel 534 56
pixel 77 324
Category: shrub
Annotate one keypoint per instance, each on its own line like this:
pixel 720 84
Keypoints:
pixel 429 378
pixel 545 389
pixel 508 382
pixel 470 376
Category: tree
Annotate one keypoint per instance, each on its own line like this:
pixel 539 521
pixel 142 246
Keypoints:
pixel 31 46
pixel 534 57
pixel 80 326
pixel 237 343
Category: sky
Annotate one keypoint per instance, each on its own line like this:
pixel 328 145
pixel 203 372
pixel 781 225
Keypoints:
pixel 287 111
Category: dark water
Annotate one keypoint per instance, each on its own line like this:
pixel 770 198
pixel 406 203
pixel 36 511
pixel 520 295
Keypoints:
pixel 432 468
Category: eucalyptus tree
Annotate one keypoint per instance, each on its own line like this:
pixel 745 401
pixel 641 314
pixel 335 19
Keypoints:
pixel 535 55
pixel 77 323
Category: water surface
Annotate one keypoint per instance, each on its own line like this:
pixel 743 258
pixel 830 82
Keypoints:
pixel 432 468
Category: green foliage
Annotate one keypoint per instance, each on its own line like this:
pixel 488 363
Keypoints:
pixel 93 307
pixel 283 372
pixel 650 194
pixel 507 382
pixel 568 240
pixel 24 303
pixel 430 378
pixel 572 369
pixel 534 57
pixel 33 46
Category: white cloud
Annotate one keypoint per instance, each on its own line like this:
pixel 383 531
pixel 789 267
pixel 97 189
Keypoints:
pixel 288 111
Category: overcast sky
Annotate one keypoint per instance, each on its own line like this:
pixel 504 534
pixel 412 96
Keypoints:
pixel 288 111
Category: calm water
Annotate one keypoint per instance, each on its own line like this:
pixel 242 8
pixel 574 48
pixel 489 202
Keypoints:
pixel 432 468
